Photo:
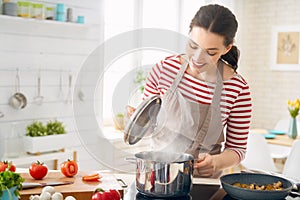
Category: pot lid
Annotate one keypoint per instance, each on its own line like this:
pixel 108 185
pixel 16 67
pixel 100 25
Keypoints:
pixel 143 120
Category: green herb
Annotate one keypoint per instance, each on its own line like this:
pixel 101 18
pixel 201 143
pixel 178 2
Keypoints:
pixel 55 127
pixel 9 180
pixel 36 129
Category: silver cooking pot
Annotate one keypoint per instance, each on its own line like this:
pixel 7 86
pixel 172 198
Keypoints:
pixel 164 174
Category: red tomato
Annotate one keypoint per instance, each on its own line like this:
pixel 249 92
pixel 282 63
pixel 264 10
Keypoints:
pixel 101 194
pixel 69 168
pixel 38 170
pixel 4 165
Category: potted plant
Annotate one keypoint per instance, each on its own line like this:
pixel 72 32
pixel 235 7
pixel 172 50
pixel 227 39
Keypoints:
pixel 44 138
pixel 10 184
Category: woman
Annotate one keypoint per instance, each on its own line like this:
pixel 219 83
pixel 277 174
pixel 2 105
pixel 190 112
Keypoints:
pixel 207 79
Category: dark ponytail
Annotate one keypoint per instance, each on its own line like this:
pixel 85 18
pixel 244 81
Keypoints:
pixel 232 57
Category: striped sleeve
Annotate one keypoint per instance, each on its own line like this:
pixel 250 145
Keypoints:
pixel 238 123
pixel 151 86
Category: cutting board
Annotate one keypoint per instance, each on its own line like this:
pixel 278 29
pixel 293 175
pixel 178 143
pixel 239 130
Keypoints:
pixel 79 189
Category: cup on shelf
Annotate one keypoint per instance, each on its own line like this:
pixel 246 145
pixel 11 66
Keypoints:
pixel 80 19
pixel 69 15
pixel 60 12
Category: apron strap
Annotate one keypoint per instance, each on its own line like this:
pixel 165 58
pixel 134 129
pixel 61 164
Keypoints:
pixel 201 134
pixel 178 78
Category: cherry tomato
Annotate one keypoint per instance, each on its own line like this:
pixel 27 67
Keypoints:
pixel 5 164
pixel 69 168
pixel 101 194
pixel 38 170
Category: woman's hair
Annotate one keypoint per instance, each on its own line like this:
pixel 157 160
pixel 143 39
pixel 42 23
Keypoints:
pixel 220 20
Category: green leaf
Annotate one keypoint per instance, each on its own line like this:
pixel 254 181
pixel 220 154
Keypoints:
pixel 55 127
pixel 37 129
pixel 10 179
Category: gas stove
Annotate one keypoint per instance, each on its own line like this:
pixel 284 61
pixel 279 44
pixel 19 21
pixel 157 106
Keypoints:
pixel 140 196
pixel 199 191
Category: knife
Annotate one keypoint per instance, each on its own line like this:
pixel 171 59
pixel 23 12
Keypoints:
pixel 29 185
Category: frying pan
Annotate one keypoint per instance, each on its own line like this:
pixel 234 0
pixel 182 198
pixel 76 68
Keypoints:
pixel 228 180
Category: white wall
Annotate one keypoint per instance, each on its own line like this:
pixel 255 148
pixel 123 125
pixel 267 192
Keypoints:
pixel 65 47
pixel 55 49
pixel 270 89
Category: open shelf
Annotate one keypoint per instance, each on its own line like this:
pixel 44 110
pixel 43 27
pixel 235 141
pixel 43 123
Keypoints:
pixel 40 21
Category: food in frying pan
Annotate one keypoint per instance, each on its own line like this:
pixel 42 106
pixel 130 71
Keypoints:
pixel 253 186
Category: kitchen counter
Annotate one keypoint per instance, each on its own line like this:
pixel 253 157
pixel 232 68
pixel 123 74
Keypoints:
pixel 203 188
pixel 81 190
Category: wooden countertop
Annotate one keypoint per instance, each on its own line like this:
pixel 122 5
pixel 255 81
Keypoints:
pixel 79 189
pixel 283 140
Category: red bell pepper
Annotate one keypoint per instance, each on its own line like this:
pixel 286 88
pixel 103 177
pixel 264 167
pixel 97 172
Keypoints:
pixel 101 194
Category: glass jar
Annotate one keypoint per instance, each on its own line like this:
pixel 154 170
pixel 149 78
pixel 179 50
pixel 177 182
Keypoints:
pixel 37 11
pixel 13 143
pixel 50 13
pixel 24 9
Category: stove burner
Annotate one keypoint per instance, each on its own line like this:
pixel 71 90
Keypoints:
pixel 140 196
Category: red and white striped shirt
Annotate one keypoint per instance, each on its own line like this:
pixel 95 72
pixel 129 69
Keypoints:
pixel 236 106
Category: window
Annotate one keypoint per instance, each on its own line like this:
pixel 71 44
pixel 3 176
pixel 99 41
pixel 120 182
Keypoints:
pixel 122 16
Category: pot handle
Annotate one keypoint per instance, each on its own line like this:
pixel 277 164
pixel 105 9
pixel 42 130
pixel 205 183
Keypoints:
pixel 131 160
pixel 294 194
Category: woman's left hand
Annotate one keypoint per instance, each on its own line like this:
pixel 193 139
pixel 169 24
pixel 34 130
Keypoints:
pixel 205 165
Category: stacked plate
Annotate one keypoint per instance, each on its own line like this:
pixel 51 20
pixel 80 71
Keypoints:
pixel 277 132
pixel 9 8
pixel 272 134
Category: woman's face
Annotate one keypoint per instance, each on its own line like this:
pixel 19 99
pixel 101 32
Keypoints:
pixel 204 49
